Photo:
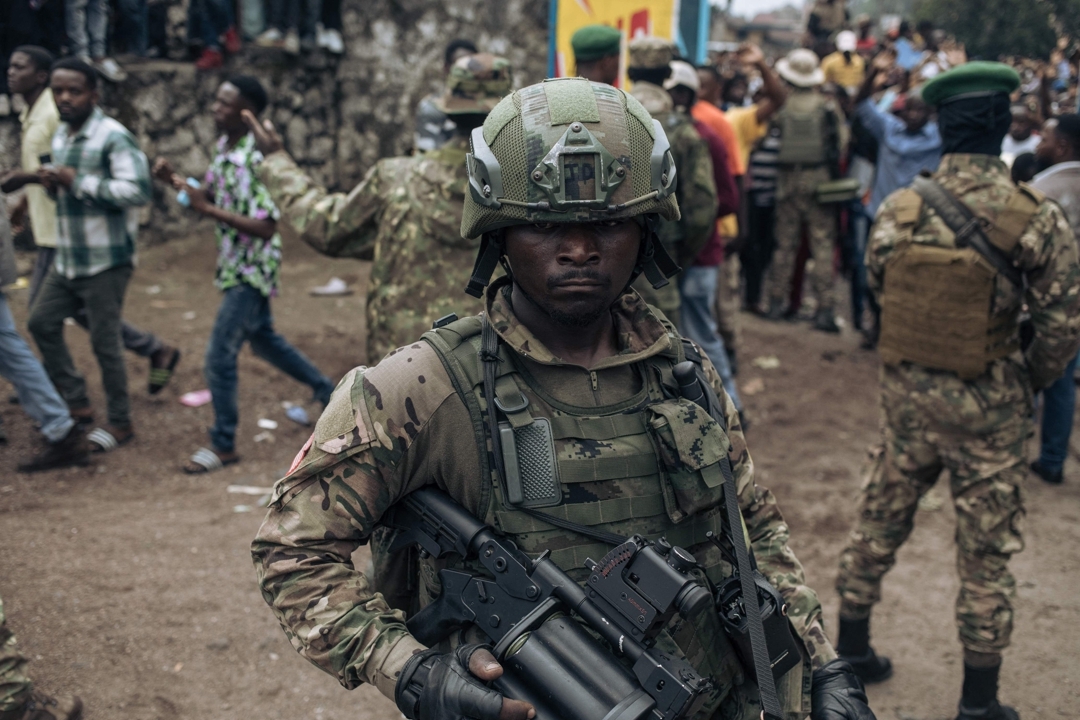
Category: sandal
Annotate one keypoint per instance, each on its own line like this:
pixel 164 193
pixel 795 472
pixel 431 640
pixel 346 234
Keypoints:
pixel 205 461
pixel 160 376
pixel 105 441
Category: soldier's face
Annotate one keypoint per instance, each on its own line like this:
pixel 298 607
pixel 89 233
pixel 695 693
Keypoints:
pixel 573 272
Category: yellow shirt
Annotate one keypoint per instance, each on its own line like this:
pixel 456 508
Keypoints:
pixel 38 125
pixel 747 132
pixel 842 73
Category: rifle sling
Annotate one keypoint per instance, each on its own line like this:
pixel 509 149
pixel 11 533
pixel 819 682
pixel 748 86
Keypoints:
pixel 966 226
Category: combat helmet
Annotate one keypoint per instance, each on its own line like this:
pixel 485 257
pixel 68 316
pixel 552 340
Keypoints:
pixel 476 84
pixel 568 151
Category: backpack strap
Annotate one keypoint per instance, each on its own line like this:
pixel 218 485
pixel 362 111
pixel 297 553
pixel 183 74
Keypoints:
pixel 1011 222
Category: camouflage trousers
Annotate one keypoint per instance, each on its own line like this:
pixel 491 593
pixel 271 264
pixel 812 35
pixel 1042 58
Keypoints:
pixel 976 431
pixel 796 205
pixel 14 684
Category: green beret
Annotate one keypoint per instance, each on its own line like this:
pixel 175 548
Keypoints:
pixel 972 77
pixel 593 42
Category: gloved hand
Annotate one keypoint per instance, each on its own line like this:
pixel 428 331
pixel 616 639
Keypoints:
pixel 450 686
pixel 837 694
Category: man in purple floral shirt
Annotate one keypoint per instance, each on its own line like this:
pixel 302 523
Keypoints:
pixel 249 260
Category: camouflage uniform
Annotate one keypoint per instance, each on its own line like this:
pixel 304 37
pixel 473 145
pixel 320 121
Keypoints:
pixel 932 420
pixel 405 217
pixel 796 204
pixel 696 191
pixel 631 456
pixel 15 686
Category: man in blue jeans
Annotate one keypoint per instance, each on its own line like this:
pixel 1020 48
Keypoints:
pixel 249 260
pixel 65 445
pixel 1059 154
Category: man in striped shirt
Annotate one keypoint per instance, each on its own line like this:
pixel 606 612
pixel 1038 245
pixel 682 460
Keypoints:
pixel 99 178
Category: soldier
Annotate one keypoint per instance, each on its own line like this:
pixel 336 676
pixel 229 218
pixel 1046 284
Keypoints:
pixel 650 59
pixel 404 215
pixel 433 127
pixel 18 698
pixel 564 335
pixel 810 128
pixel 956 388
pixel 597 51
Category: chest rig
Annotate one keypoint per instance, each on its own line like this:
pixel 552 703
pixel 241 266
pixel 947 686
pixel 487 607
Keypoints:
pixel 647 465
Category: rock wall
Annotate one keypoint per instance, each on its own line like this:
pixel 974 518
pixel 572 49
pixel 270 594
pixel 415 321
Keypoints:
pixel 338 114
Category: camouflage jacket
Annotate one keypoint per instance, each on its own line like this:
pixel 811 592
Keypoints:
pixel 696 189
pixel 401 425
pixel 1046 253
pixel 406 218
pixel 434 128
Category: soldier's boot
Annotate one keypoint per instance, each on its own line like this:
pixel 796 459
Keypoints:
pixel 825 321
pixel 853 646
pixel 43 707
pixel 68 452
pixel 979 700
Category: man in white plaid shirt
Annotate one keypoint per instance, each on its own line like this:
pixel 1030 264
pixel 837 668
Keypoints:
pixel 99 178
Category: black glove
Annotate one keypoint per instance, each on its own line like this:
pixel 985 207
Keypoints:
pixel 837 694
pixel 439 686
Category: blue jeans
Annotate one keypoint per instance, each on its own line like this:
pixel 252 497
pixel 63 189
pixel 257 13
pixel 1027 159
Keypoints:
pixel 135 25
pixel 87 24
pixel 300 15
pixel 1059 401
pixel 208 20
pixel 21 368
pixel 244 316
pixel 697 290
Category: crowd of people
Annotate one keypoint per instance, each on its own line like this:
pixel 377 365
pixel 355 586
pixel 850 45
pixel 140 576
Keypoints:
pixel 99 31
pixel 767 184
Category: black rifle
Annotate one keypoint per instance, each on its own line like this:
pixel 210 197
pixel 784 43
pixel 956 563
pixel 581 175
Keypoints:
pixel 549 659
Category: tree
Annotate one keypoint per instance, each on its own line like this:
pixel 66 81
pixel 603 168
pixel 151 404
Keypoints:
pixel 994 28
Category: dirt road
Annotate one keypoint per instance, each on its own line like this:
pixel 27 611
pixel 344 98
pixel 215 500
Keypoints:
pixel 131 583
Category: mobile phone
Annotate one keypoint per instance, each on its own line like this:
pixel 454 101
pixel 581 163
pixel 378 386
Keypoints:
pixel 45 159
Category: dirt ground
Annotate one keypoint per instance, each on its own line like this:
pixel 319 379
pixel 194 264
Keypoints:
pixel 131 585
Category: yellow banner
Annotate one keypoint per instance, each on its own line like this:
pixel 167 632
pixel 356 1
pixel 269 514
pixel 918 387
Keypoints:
pixel 633 17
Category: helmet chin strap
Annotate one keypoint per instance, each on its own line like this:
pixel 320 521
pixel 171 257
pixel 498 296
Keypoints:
pixel 653 259
pixel 486 259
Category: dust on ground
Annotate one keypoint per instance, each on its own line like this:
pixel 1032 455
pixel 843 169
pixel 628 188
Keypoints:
pixel 130 583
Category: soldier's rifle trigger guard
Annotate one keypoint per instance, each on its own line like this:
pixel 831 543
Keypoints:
pixel 485 173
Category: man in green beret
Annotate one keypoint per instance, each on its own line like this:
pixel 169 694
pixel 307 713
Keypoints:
pixel 952 260
pixel 597 50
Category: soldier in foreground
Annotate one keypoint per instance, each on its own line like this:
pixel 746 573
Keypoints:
pixel 18 698
pixel 563 344
pixel 683 238
pixel 404 216
pixel 956 386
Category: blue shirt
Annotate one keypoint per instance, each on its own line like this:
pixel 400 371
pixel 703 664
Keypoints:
pixel 907 56
pixel 901 155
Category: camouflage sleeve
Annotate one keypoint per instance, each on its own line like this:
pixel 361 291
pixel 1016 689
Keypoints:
pixel 335 224
pixel 1048 254
pixel 696 192
pixel 880 244
pixel 366 452
pixel 769 536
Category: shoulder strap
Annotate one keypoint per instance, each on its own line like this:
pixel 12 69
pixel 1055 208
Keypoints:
pixel 966 226
pixel 1013 219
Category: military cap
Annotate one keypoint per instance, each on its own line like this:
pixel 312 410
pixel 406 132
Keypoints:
pixel 476 84
pixel 651 52
pixel 593 42
pixel 972 77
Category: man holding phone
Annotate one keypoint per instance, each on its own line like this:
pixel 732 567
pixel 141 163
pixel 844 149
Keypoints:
pixel 28 75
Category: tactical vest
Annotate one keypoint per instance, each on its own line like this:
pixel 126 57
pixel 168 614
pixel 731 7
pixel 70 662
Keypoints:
pixel 805 135
pixel 937 304
pixel 648 465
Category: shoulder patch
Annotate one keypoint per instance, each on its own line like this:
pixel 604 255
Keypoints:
pixel 336 429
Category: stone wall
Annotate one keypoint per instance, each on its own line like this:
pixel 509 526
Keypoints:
pixel 338 114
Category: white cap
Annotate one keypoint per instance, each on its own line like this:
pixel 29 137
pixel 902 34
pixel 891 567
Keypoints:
pixel 682 73
pixel 846 41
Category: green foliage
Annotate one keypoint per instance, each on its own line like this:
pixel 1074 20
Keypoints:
pixel 991 29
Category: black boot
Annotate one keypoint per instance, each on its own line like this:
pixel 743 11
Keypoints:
pixel 853 646
pixel 825 321
pixel 979 700
pixel 71 451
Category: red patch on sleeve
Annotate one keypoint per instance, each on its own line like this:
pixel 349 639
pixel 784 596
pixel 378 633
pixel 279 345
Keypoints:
pixel 300 455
